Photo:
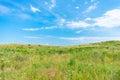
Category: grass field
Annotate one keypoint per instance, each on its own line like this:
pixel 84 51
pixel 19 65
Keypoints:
pixel 98 61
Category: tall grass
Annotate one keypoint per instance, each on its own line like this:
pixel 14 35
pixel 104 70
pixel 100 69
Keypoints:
pixel 100 61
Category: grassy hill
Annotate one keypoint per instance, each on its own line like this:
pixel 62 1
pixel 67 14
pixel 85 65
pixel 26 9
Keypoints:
pixel 98 61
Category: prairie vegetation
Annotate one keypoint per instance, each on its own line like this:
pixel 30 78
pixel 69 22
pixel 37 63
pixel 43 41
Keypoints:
pixel 99 61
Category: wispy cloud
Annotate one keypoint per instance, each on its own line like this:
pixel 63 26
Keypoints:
pixel 77 7
pixel 31 37
pixel 61 22
pixel 40 36
pixel 30 29
pixel 47 28
pixel 72 38
pixel 53 4
pixel 4 9
pixel 34 9
pixel 37 29
pixel 89 39
pixel 91 8
pixel 77 24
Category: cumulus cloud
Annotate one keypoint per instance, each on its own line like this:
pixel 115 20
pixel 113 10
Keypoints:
pixel 109 20
pixel 33 9
pixel 4 9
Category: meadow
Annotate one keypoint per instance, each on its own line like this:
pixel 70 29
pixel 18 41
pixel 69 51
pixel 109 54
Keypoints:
pixel 97 61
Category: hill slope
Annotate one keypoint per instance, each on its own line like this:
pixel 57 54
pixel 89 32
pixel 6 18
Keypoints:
pixel 98 61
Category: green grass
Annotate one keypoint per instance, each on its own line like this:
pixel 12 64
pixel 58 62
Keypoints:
pixel 99 61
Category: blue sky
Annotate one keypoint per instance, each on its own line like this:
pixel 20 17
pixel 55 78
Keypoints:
pixel 59 22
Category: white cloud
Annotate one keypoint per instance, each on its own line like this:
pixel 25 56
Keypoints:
pixel 4 9
pixel 77 7
pixel 33 9
pixel 31 37
pixel 37 29
pixel 52 5
pixel 61 22
pixel 30 29
pixel 109 19
pixel 77 24
pixel 90 8
pixel 50 27
pixel 89 39
pixel 72 38
pixel 88 19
